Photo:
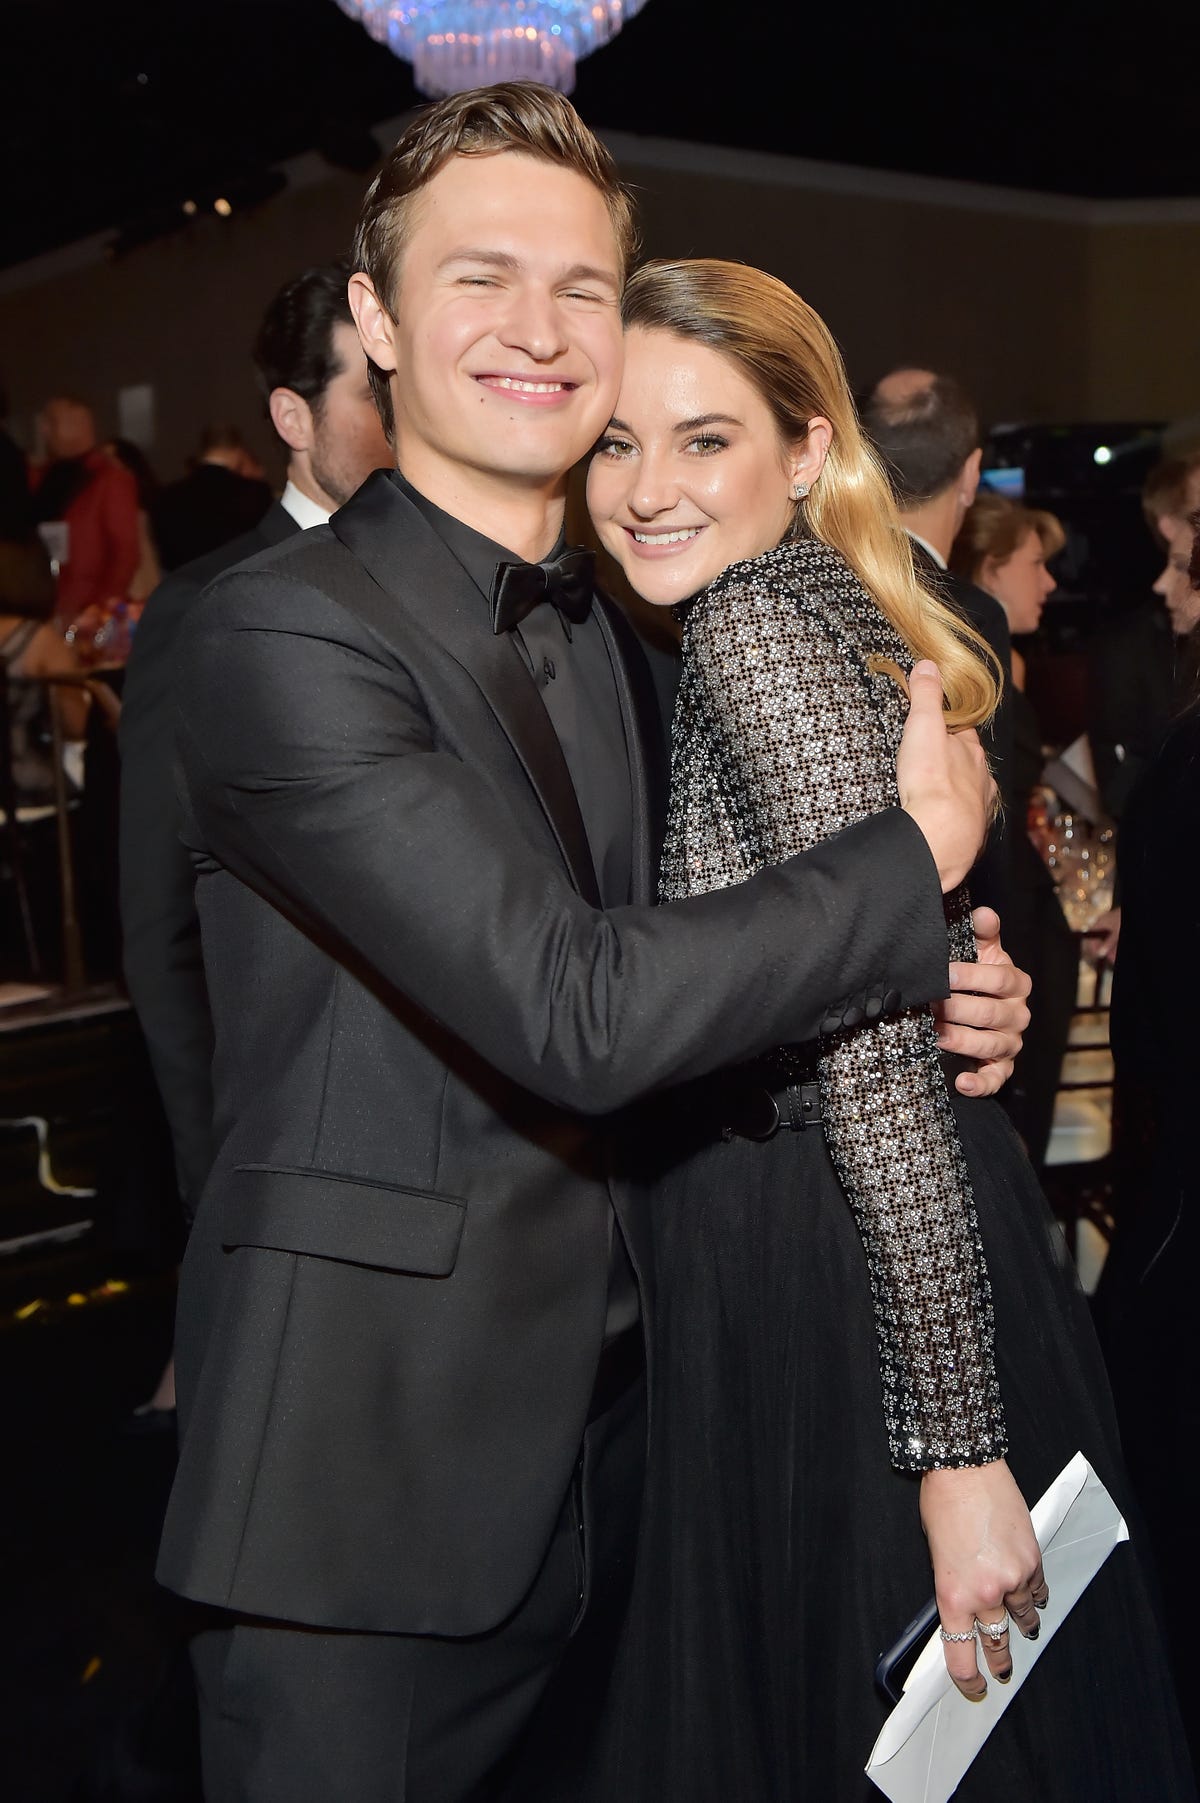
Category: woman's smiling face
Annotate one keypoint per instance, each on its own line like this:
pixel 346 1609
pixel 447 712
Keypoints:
pixel 691 475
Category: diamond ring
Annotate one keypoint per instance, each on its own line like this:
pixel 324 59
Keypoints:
pixel 947 1635
pixel 995 1630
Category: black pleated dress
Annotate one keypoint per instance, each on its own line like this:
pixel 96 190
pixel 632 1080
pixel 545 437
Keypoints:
pixel 841 1307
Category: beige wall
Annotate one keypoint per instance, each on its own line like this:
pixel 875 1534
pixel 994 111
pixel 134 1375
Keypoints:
pixel 1047 308
pixel 902 282
pixel 1144 323
pixel 179 314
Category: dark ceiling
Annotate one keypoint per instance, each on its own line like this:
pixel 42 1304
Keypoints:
pixel 114 114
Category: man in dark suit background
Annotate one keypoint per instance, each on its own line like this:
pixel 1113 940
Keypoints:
pixel 419 761
pixel 222 496
pixel 1142 670
pixel 926 430
pixel 312 375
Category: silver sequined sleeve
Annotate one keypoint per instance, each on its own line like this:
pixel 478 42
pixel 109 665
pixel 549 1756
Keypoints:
pixel 784 736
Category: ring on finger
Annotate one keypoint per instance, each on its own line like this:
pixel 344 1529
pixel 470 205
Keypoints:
pixel 995 1630
pixel 946 1634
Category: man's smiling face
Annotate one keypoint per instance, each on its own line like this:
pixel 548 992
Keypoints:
pixel 507 335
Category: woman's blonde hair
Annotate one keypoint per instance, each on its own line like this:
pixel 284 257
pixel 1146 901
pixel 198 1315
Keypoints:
pixel 785 349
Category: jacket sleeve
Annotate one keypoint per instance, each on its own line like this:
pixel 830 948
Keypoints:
pixel 314 775
pixel 161 933
pixel 808 754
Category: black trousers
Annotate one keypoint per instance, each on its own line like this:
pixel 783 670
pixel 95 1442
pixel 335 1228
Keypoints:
pixel 292 1714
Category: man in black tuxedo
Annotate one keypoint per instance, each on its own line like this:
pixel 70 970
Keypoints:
pixel 312 374
pixel 419 757
pixel 218 500
pixel 926 431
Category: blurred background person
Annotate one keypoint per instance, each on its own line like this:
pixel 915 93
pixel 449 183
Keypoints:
pixel 313 378
pixel 1144 1302
pixel 96 500
pixel 31 650
pixel 926 430
pixel 223 495
pixel 1003 548
pixel 148 574
pixel 16 510
pixel 1142 669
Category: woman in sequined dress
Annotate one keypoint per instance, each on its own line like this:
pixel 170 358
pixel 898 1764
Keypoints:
pixel 869 1327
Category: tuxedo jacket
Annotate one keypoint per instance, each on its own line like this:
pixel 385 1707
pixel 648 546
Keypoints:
pixel 203 511
pixel 393 1299
pixel 161 933
pixel 1139 678
pixel 991 880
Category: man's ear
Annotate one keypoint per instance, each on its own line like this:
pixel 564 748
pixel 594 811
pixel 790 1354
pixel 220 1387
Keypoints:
pixel 292 418
pixel 373 321
pixel 968 480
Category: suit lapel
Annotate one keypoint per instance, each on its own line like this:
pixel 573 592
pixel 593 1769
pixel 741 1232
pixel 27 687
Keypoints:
pixel 411 566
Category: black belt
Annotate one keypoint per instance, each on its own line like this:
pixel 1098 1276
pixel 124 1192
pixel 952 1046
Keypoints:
pixel 749 1104
pixel 622 1362
pixel 745 1109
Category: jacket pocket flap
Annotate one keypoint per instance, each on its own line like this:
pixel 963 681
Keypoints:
pixel 346 1218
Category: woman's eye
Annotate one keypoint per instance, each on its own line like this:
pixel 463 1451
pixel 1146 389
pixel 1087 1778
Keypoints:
pixel 615 447
pixel 706 444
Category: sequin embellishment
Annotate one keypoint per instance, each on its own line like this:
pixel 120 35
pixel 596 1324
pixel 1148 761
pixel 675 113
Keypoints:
pixel 783 736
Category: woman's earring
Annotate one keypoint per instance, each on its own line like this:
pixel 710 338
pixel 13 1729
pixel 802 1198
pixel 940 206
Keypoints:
pixel 800 490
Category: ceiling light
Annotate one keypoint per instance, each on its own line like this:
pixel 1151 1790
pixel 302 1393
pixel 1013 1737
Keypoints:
pixel 457 44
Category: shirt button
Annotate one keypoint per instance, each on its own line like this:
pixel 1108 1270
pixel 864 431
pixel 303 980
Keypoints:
pixel 548 669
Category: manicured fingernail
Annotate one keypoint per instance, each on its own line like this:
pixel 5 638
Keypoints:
pixel 975 1696
pixel 1032 1633
pixel 1044 1605
pixel 1003 1677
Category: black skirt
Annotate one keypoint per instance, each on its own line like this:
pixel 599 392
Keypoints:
pixel 781 1552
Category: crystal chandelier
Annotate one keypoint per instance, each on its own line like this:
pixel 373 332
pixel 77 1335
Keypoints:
pixel 457 44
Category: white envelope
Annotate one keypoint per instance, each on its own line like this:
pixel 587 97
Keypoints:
pixel 934 1733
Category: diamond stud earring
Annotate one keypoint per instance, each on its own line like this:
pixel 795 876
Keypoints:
pixel 800 490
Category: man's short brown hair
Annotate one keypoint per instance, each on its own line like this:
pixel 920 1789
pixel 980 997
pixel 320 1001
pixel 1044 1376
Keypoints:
pixel 513 115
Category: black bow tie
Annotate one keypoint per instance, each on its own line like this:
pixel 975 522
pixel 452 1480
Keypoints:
pixel 567 582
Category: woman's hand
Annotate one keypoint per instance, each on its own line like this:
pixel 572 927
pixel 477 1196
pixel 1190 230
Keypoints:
pixel 986 1561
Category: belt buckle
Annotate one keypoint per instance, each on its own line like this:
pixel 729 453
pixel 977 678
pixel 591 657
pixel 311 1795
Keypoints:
pixel 807 1113
pixel 756 1116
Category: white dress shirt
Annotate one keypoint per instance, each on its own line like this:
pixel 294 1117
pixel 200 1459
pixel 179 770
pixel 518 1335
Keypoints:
pixel 306 513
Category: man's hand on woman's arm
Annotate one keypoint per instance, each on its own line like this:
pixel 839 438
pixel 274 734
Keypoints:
pixel 943 780
pixel 986 1012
